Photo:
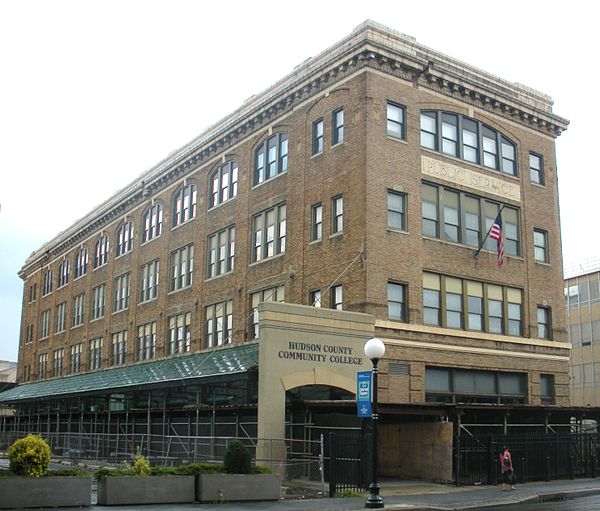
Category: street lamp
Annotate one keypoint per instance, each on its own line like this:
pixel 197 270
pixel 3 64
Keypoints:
pixel 374 349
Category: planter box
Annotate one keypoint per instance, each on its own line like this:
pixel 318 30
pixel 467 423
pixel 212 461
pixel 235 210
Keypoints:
pixel 45 491
pixel 237 487
pixel 119 490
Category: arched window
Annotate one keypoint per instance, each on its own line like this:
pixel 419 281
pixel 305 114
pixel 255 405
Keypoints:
pixel 81 262
pixel 184 205
pixel 63 273
pixel 152 223
pixel 469 140
pixel 223 184
pixel 125 238
pixel 101 251
pixel 271 158
pixel 47 282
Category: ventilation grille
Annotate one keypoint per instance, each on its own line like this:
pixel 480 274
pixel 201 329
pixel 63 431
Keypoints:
pixel 398 369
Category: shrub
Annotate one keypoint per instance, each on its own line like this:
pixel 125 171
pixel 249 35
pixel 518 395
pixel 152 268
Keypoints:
pixel 261 469
pixel 200 468
pixel 141 466
pixel 237 459
pixel 29 456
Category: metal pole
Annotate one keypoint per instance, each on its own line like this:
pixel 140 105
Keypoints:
pixel 374 500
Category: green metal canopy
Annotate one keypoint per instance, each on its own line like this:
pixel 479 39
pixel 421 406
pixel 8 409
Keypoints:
pixel 233 360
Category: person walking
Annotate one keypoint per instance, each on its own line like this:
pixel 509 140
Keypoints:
pixel 507 471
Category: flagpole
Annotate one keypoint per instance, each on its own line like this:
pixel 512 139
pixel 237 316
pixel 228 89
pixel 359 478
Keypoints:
pixel 476 256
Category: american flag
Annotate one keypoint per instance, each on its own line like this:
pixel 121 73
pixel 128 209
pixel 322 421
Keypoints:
pixel 496 234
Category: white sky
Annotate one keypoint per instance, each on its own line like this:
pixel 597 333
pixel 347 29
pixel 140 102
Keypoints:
pixel 92 93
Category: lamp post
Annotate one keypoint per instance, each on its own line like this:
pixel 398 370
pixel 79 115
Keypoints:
pixel 374 349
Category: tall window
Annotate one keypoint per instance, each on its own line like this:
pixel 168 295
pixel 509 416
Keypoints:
pixel 219 323
pixel 101 251
pixel 122 292
pixel 459 303
pixel 149 281
pixel 543 323
pixel 467 139
pixel 540 245
pixel 396 208
pixel 316 221
pixel 182 263
pixel 98 301
pixel 75 358
pixel 32 292
pixel 224 184
pixel 119 348
pixel 152 222
pixel 547 389
pixel 146 341
pixel 536 168
pixel 315 299
pixel 338 126
pixel 95 354
pixel 81 263
pixel 124 238
pixel 57 362
pixel 184 205
pixel 221 252
pixel 271 158
pixel 268 233
pixel 61 314
pixel 395 121
pixel 180 337
pixel 318 138
pixel 29 334
pixel 273 294
pixel 78 310
pixel 47 289
pixel 464 218
pixel 337 215
pixel 42 365
pixel 45 324
pixel 63 273
pixel 396 299
pixel 336 297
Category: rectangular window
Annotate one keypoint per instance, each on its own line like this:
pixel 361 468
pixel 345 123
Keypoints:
pixel 146 341
pixel 490 148
pixel 514 298
pixel 337 215
pixel 547 389
pixel 396 300
pixel 336 297
pixel 543 323
pixel 32 292
pixel 429 210
pixel 95 354
pixel 429 130
pixel 180 340
pixel 395 121
pixel 57 362
pixel 540 245
pixel 182 263
pixel 47 289
pixel 536 168
pixel 118 354
pixel 219 323
pixel 316 230
pixel 78 310
pixel 42 365
pixel 338 126
pixel 315 299
pixel 470 140
pixel 454 302
pixel 318 139
pixel 431 300
pixel 149 274
pixel 75 358
pixel 272 294
pixel 61 315
pixel 98 301
pixel 29 334
pixel 45 324
pixel 221 252
pixel 122 291
pixel 396 210
pixel 450 209
pixel 474 306
pixel 450 134
pixel 269 233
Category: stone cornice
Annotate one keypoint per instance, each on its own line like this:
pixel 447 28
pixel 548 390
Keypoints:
pixel 370 45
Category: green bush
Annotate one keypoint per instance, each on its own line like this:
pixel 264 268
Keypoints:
pixel 29 456
pixel 261 469
pixel 237 459
pixel 141 466
pixel 200 468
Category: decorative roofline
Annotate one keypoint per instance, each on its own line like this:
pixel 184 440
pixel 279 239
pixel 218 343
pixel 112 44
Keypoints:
pixel 369 45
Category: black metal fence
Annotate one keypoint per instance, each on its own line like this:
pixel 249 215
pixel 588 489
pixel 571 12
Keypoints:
pixel 535 457
pixel 346 461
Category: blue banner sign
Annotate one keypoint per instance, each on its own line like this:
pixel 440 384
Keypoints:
pixel 363 393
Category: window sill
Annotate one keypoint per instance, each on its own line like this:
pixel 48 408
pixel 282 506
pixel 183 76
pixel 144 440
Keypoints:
pixel 150 300
pixel 276 256
pixel 469 247
pixel 262 183
pixel 316 155
pixel 396 139
pixel 539 185
pixel 336 235
pixel 120 310
pixel 63 286
pixel 97 319
pixel 542 263
pixel 80 276
pixel 217 206
pixel 76 326
pixel 209 279
pixel 315 242
pixel 175 291
pixel 339 144
pixel 123 254
pixel 100 267
pixel 143 244
pixel 397 231
pixel 188 221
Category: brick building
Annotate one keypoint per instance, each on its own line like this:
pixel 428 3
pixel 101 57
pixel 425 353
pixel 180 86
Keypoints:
pixel 363 182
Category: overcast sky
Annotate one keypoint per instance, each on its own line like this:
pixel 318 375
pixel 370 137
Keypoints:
pixel 93 93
